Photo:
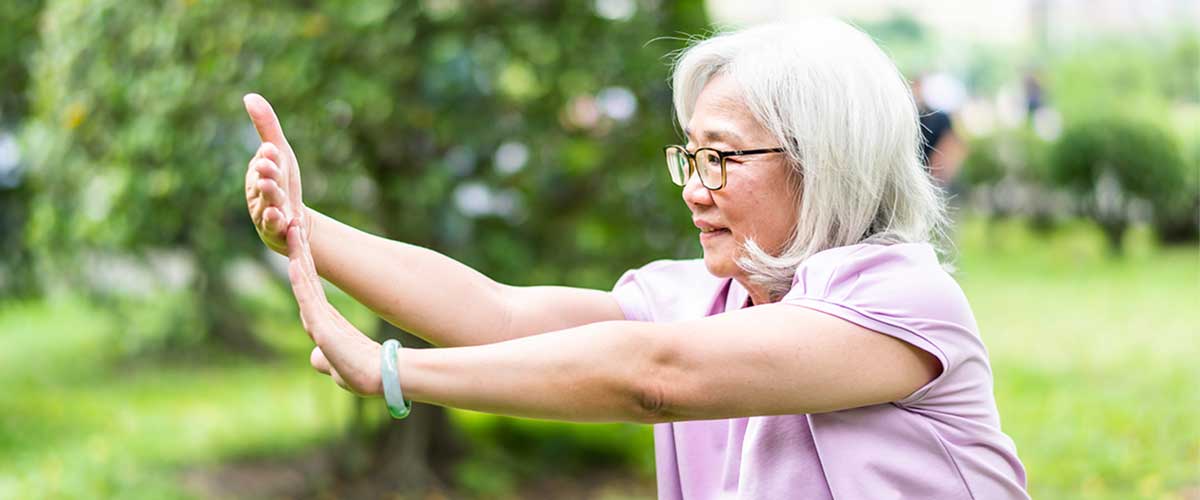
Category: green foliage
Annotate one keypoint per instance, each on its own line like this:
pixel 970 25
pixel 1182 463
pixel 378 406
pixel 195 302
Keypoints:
pixel 1182 67
pixel 1017 152
pixel 519 138
pixel 983 164
pixel 1139 77
pixel 1179 222
pixel 1108 160
pixel 906 40
pixel 507 452
pixel 17 41
pixel 1129 109
pixel 987 69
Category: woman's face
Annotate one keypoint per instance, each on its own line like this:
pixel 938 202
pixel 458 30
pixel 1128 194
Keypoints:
pixel 756 202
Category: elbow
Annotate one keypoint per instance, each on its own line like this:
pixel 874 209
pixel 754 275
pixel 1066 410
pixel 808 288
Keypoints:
pixel 651 379
pixel 649 403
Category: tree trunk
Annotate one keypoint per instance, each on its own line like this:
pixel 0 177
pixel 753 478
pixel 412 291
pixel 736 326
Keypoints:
pixel 1114 233
pixel 223 319
pixel 1178 228
pixel 412 455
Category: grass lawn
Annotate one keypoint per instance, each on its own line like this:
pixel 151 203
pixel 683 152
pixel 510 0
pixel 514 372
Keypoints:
pixel 1095 361
pixel 79 424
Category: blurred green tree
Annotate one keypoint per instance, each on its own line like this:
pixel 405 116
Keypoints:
pixel 1111 161
pixel 129 152
pixel 519 137
pixel 17 42
pixel 1003 161
pixel 1154 83
pixel 906 39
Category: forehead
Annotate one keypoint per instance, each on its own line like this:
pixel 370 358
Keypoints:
pixel 721 114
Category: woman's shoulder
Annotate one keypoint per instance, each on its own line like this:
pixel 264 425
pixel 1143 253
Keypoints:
pixel 670 274
pixel 894 260
pixel 666 289
pixel 899 276
pixel 882 256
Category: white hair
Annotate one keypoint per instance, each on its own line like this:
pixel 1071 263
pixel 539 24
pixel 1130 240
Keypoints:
pixel 847 119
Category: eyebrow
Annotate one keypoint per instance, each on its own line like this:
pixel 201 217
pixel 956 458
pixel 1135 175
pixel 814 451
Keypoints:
pixel 718 135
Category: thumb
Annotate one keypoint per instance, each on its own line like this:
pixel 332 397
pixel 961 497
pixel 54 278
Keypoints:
pixel 265 120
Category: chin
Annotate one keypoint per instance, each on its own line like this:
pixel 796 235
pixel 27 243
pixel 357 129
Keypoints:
pixel 721 266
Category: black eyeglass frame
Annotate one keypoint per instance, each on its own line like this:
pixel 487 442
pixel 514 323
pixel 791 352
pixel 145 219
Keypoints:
pixel 722 155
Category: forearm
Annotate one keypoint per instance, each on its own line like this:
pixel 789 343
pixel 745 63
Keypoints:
pixel 597 372
pixel 414 288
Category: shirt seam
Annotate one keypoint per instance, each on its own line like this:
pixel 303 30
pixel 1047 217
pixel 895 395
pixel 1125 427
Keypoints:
pixel 957 468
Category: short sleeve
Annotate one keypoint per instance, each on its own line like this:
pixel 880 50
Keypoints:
pixel 631 297
pixel 666 290
pixel 902 291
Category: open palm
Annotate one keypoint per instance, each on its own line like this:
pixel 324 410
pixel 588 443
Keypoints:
pixel 343 352
pixel 273 193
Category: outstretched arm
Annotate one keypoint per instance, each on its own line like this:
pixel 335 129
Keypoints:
pixel 768 360
pixel 415 288
pixel 440 299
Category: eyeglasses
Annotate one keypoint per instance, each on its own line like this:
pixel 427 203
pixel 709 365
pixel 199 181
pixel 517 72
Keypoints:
pixel 708 163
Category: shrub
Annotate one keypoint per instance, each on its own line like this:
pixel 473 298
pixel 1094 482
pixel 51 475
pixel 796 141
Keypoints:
pixel 1111 163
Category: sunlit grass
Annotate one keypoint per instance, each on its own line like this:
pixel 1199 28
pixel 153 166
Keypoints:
pixel 1094 358
pixel 79 424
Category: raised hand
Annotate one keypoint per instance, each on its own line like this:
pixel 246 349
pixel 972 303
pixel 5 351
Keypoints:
pixel 273 193
pixel 344 353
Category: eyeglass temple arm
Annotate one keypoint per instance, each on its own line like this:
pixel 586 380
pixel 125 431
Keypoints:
pixel 744 152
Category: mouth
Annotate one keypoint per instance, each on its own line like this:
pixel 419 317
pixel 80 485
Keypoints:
pixel 712 233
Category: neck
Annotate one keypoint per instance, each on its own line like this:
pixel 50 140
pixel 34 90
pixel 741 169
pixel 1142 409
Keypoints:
pixel 758 295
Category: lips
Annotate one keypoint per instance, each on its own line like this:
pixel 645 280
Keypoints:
pixel 705 225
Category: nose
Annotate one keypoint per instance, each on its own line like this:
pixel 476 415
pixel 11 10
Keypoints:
pixel 694 192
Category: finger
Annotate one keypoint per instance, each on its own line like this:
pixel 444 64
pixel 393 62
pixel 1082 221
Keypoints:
pixel 252 177
pixel 274 221
pixel 272 156
pixel 267 150
pixel 264 120
pixel 337 379
pixel 307 265
pixel 318 360
pixel 273 195
pixel 268 169
pixel 299 256
pixel 300 291
pixel 287 168
pixel 312 307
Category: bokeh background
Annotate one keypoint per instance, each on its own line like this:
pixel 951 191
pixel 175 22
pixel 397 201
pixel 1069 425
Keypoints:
pixel 150 347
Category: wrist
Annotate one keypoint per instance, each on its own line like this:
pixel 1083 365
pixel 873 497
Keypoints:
pixel 309 218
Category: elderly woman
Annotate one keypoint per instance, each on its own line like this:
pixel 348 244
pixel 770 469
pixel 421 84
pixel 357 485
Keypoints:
pixel 818 350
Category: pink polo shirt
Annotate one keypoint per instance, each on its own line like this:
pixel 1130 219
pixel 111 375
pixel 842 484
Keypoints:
pixel 942 441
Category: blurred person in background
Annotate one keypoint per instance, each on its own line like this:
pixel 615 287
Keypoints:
pixel 941 147
pixel 817 350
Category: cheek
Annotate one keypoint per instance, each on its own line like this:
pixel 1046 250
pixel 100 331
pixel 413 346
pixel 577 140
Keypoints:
pixel 766 214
